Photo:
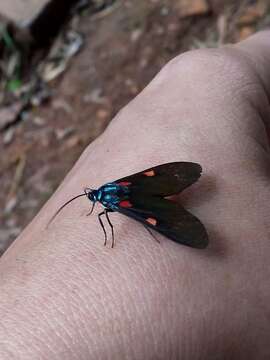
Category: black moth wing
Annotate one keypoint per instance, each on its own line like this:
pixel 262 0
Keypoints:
pixel 168 218
pixel 164 180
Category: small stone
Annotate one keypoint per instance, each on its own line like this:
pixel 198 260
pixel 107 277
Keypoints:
pixel 61 104
pixel 39 121
pixel 192 7
pixel 64 133
pixel 95 96
pixel 72 142
pixel 40 96
pixel 164 11
pixel 133 88
pixel 8 136
pixel 10 205
pixel 102 114
pixel 136 34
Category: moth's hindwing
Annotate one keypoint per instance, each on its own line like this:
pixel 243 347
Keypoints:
pixel 168 218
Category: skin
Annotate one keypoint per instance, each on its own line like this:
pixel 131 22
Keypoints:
pixel 66 296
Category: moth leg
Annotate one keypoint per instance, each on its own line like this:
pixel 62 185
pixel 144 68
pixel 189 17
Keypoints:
pixel 150 232
pixel 106 211
pixel 102 225
pixel 91 210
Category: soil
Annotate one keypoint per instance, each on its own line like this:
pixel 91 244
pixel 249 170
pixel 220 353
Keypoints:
pixel 125 46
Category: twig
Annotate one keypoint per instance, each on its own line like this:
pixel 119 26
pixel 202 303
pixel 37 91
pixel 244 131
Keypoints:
pixel 17 176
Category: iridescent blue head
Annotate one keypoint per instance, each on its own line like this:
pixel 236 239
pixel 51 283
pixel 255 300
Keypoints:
pixel 92 194
pixel 109 195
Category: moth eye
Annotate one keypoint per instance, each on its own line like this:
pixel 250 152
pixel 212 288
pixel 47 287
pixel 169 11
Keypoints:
pixel 151 221
pixel 125 204
pixel 149 173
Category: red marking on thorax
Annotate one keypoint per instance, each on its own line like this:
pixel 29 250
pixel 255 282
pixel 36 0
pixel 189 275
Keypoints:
pixel 149 173
pixel 125 204
pixel 124 183
pixel 152 221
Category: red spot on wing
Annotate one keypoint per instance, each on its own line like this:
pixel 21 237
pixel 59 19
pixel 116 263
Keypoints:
pixel 125 204
pixel 151 221
pixel 124 183
pixel 149 173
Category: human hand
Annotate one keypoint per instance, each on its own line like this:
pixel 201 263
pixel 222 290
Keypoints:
pixel 65 296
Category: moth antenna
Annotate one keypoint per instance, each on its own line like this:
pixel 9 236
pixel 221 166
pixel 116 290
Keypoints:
pixel 62 207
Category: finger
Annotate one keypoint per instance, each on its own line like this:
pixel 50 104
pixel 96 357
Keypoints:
pixel 206 105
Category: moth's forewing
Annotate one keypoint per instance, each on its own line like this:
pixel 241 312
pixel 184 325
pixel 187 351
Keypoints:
pixel 145 202
pixel 163 180
pixel 168 218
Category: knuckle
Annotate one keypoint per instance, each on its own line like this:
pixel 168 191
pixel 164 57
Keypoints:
pixel 227 66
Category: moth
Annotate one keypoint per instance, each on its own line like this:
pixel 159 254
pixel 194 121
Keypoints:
pixel 144 197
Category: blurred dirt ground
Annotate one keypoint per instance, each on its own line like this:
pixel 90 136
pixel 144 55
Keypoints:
pixel 125 45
